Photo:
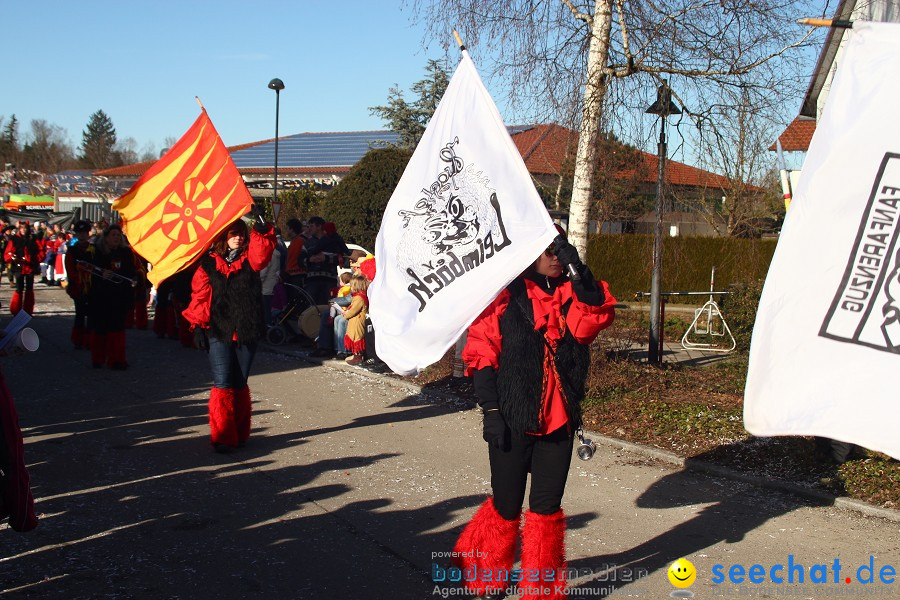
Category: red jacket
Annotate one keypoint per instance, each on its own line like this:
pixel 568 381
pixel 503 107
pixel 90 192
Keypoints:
pixel 259 253
pixel 485 343
pixel 24 253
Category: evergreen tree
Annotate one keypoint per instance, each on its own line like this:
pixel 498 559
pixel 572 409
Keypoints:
pixel 409 119
pixel 9 141
pixel 98 141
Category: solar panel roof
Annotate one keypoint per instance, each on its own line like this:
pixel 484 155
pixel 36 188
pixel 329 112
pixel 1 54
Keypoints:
pixel 314 149
pixel 334 149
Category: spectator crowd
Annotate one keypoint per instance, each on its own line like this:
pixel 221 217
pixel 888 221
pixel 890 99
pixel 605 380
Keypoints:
pixel 313 278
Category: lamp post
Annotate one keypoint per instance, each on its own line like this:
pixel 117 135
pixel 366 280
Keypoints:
pixel 662 107
pixel 277 85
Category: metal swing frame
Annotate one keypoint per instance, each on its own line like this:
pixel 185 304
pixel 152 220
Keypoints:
pixel 710 309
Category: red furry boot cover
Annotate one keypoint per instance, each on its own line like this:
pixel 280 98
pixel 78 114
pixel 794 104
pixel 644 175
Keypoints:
pixel 115 343
pixel 15 303
pixel 28 305
pixel 242 408
pixel 78 337
pixel 543 550
pixel 99 344
pixel 140 314
pixel 159 322
pixel 222 428
pixel 485 550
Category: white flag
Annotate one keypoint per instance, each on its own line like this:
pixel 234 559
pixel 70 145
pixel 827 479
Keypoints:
pixel 826 345
pixel 464 221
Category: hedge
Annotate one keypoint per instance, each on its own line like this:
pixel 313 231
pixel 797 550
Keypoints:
pixel 626 263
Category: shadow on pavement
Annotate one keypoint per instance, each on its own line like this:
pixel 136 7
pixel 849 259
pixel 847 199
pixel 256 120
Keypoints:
pixel 734 510
pixel 133 503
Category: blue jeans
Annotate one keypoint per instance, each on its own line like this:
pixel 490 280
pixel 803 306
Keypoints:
pixel 230 363
pixel 340 330
pixel 331 336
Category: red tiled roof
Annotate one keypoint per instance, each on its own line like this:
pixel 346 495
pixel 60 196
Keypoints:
pixel 678 174
pixel 797 136
pixel 543 147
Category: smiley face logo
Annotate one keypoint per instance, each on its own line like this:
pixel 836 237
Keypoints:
pixel 682 573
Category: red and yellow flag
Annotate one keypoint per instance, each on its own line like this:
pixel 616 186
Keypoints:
pixel 183 201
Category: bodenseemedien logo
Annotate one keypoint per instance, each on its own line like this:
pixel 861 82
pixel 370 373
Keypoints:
pixel 682 575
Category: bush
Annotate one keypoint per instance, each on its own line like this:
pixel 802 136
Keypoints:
pixel 626 263
pixel 741 308
pixel 356 205
pixel 296 204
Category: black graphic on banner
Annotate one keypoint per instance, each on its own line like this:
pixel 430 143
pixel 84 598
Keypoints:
pixel 866 306
pixel 453 218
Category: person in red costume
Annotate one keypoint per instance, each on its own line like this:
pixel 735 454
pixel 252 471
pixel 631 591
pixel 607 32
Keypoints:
pixel 16 500
pixel 24 254
pixel 529 354
pixel 225 314
pixel 110 297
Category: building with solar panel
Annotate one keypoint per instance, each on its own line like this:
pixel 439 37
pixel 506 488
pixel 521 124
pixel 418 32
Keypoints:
pixel 321 160
pixel 304 159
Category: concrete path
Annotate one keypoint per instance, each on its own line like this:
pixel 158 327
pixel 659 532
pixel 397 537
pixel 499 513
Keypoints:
pixel 351 487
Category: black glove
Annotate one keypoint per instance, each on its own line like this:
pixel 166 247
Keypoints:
pixel 566 252
pixel 260 225
pixel 583 283
pixel 495 432
pixel 201 342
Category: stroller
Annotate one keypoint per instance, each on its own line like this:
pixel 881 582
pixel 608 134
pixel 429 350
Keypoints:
pixel 299 316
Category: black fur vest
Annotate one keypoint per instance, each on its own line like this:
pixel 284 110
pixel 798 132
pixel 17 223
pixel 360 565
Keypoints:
pixel 236 304
pixel 520 375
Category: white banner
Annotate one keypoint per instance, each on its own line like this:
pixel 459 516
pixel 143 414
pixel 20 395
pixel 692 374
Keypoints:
pixel 464 221
pixel 826 344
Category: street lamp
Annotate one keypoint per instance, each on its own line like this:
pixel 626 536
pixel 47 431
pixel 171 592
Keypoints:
pixel 664 106
pixel 277 85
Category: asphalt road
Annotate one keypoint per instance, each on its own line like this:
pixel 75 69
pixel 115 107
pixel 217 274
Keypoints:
pixel 351 487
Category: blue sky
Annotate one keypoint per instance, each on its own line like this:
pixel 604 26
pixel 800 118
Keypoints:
pixel 143 62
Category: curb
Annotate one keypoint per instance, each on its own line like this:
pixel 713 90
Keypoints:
pixel 665 456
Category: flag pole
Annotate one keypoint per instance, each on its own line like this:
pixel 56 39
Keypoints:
pixel 785 176
pixel 197 98
pixel 833 23
pixel 459 41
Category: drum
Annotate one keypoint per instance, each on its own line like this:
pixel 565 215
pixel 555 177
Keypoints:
pixel 309 320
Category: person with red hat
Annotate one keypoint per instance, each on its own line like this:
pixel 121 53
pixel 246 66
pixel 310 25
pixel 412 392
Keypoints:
pixel 24 254
pixel 529 354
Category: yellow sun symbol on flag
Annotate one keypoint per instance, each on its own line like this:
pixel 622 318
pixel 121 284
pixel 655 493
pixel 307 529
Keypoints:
pixel 184 220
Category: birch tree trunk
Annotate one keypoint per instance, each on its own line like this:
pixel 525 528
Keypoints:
pixel 594 91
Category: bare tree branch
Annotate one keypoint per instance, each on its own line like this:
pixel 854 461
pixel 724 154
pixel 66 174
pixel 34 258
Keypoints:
pixel 581 16
pixel 626 48
pixel 551 67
